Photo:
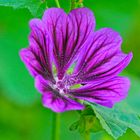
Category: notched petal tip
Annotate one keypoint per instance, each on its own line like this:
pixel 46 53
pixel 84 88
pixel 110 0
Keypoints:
pixel 52 11
pixel 82 10
pixel 85 12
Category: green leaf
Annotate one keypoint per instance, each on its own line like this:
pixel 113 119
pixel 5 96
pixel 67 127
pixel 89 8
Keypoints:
pixel 32 5
pixel 117 120
pixel 87 122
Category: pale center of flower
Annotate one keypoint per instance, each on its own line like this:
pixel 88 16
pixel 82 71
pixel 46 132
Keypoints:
pixel 60 86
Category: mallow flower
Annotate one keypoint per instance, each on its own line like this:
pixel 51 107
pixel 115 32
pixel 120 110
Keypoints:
pixel 72 63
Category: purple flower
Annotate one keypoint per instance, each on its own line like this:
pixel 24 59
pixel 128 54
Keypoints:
pixel 60 42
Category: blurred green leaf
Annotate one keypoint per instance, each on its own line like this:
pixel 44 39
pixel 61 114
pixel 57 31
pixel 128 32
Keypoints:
pixel 133 44
pixel 32 5
pixel 24 123
pixel 116 14
pixel 15 81
pixel 116 120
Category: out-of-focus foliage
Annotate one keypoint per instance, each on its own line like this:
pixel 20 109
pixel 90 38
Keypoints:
pixel 15 80
pixel 34 6
pixel 21 113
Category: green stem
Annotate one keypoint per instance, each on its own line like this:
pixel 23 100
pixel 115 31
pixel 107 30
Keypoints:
pixel 57 3
pixel 87 136
pixel 56 126
pixel 73 4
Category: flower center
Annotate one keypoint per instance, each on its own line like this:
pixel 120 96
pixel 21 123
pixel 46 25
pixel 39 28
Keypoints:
pixel 60 86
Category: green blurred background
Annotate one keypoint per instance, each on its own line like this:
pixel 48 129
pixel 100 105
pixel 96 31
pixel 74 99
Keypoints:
pixel 22 116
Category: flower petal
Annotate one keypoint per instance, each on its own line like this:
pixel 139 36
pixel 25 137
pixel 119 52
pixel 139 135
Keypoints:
pixel 59 103
pixel 53 100
pixel 69 33
pixel 106 94
pixel 31 62
pixel 102 59
pixel 37 57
